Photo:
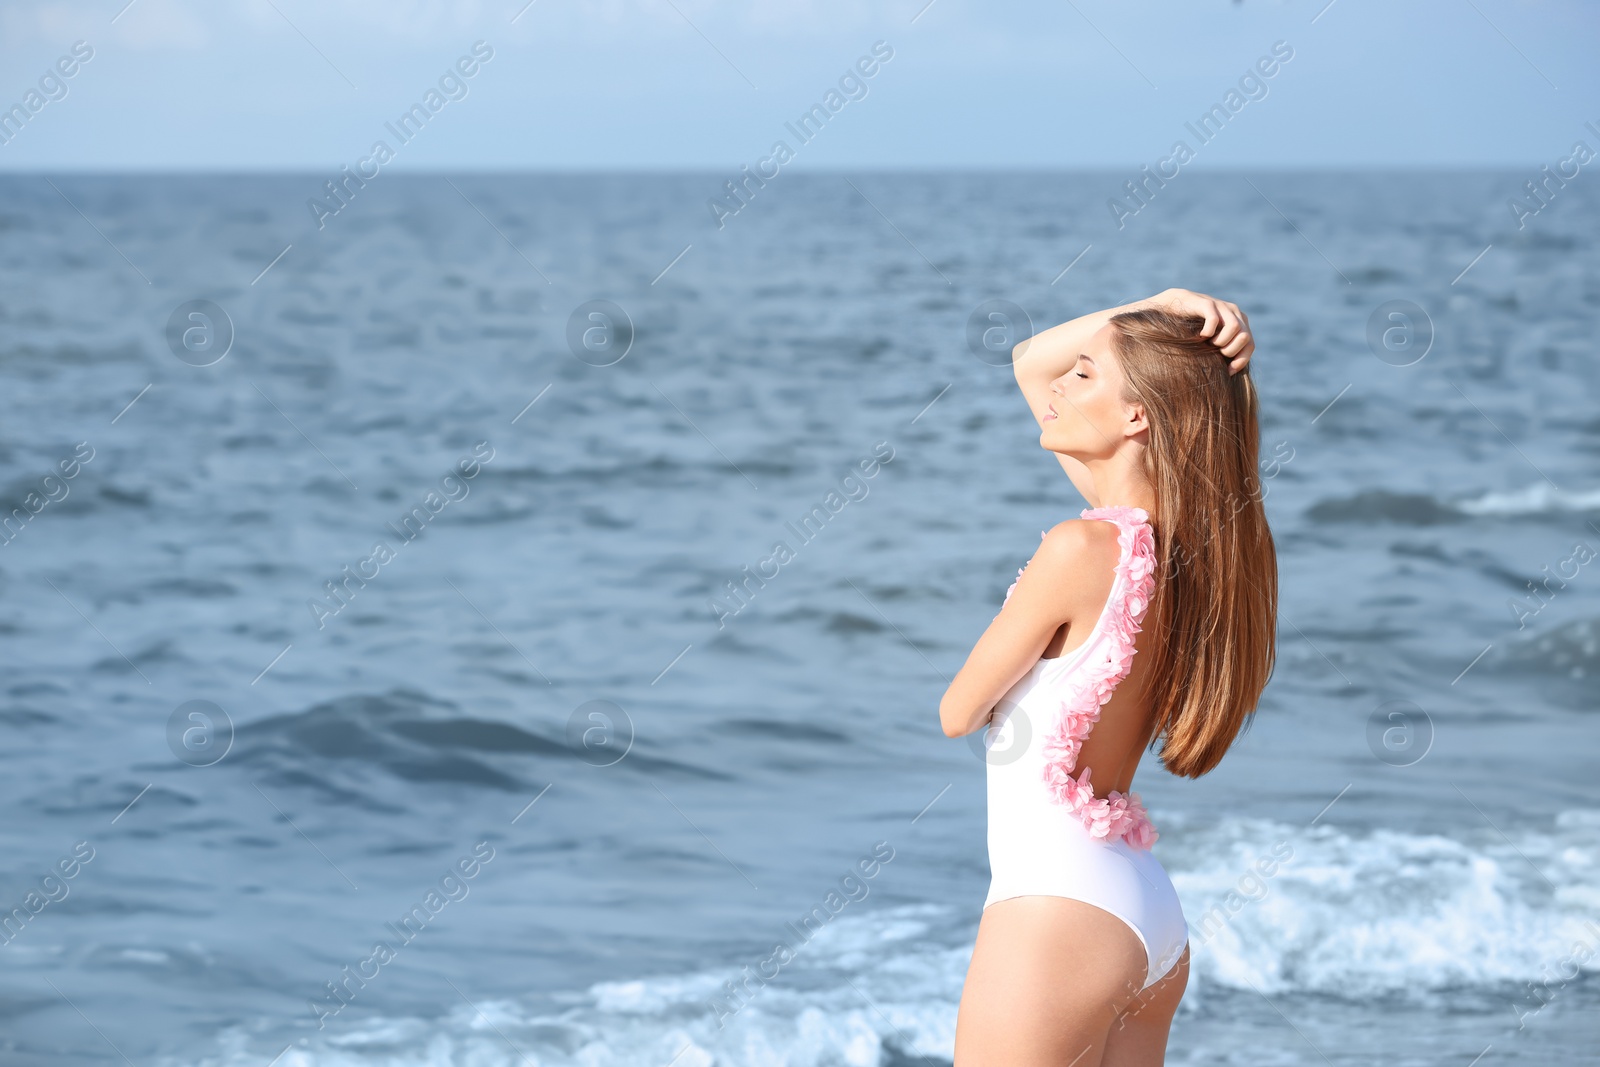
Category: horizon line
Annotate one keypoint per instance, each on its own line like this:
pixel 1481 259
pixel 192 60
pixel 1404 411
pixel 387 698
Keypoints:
pixel 140 170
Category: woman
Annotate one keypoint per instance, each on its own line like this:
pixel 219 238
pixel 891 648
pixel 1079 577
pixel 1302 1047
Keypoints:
pixel 1149 620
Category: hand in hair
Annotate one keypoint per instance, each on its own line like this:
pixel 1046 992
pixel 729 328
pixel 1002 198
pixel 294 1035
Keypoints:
pixel 1226 325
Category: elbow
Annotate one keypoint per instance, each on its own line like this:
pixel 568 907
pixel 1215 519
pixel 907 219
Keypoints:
pixel 952 723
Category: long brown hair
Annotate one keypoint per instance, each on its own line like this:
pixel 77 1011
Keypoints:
pixel 1214 610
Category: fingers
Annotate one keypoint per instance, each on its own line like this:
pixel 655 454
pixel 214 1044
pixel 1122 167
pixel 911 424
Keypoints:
pixel 1229 329
pixel 1224 323
pixel 1238 348
pixel 1188 302
pixel 1238 361
pixel 1241 340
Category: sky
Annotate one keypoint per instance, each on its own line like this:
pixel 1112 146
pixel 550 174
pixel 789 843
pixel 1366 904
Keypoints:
pixel 308 85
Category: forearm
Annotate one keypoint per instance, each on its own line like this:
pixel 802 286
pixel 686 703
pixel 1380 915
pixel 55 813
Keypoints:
pixel 1046 355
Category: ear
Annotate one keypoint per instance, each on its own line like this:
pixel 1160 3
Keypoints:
pixel 1135 420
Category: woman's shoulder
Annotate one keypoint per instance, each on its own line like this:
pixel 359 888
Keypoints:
pixel 1080 535
pixel 1077 549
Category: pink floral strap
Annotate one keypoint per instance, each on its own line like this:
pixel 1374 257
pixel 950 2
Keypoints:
pixel 1090 683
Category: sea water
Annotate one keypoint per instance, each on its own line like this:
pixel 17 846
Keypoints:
pixel 662 672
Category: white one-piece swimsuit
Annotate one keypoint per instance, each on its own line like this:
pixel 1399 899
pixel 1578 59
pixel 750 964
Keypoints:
pixel 1049 834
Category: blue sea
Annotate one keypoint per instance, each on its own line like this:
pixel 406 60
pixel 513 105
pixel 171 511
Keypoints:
pixel 481 630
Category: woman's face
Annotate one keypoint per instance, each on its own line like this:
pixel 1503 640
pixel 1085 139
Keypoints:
pixel 1090 419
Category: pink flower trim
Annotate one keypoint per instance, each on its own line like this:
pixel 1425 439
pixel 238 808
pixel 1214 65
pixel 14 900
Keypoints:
pixel 1091 683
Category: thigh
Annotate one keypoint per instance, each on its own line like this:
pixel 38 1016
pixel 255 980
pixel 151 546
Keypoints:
pixel 1139 1036
pixel 1048 978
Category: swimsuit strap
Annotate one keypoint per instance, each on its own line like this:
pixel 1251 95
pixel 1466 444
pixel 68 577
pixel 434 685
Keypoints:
pixel 1090 683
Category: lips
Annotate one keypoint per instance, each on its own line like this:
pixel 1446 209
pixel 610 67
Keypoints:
pixel 1052 414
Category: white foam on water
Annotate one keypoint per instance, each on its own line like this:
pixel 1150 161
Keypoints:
pixel 1357 916
pixel 1387 912
pixel 861 980
pixel 1538 498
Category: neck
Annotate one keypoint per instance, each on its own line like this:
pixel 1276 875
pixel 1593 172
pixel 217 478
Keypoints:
pixel 1115 482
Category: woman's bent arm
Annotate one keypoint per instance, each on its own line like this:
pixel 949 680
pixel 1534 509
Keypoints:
pixel 1047 355
pixel 1044 357
pixel 1068 577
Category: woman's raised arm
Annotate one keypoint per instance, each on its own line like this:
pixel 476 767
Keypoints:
pixel 1044 357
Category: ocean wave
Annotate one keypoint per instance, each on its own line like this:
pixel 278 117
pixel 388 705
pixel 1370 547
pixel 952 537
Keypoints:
pixel 401 732
pixel 1540 498
pixel 1388 912
pixel 1571 650
pixel 1353 916
pixel 417 739
pixel 866 991
pixel 1380 505
pixel 1423 509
